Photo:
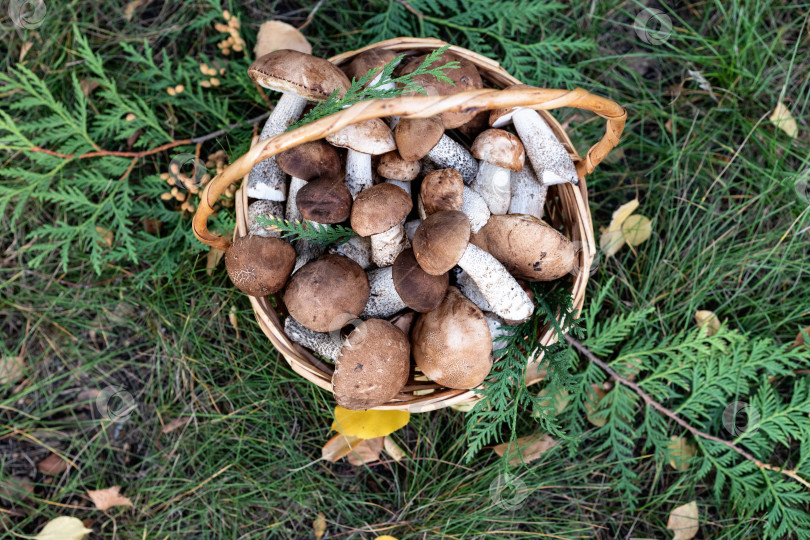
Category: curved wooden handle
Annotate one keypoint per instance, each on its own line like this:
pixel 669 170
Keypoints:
pixel 415 107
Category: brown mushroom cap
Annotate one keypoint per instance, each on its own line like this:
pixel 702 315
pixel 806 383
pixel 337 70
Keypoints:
pixel 500 148
pixel 528 247
pixel 373 365
pixel 419 290
pixel 375 59
pixel 379 208
pixel 416 137
pixel 309 160
pixel 393 167
pixel 327 293
pixel 371 137
pixel 442 189
pixel 258 265
pixel 452 344
pixel 324 200
pixel 291 71
pixel 440 241
pixel 465 77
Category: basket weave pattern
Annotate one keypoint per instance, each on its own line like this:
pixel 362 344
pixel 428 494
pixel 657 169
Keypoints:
pixel 566 205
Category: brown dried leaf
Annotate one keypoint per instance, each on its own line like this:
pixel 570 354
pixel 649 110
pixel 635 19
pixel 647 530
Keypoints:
pixel 393 449
pixel 528 448
pixel 684 522
pixel 11 369
pixel 52 464
pixel 88 86
pixel 106 236
pixel 680 452
pixel 130 8
pixel 367 451
pixel 709 320
pixel 598 421
pixel 782 119
pixel 319 526
pixel 801 339
pixel 212 259
pixel 280 35
pixel 176 423
pixel 339 446
pixel 25 48
pixel 107 498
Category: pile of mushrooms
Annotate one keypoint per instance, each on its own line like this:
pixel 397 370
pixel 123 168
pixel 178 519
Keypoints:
pixel 448 212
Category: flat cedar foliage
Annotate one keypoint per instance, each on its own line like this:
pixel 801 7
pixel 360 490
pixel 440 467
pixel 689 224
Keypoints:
pixel 105 291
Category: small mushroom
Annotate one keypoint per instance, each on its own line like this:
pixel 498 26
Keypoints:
pixel 441 189
pixel 500 153
pixel 323 343
pixel 419 138
pixel 309 160
pixel 364 139
pixel 373 365
pixel 442 241
pixel 551 162
pixel 301 78
pixel 258 265
pixel 357 248
pixel 325 294
pixel 323 201
pixel 267 209
pixel 398 171
pixel 452 344
pixel 405 284
pixel 380 212
pixel 528 247
pixel 528 194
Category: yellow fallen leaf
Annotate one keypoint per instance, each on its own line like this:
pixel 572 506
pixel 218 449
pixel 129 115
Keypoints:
pixel 680 452
pixel 319 526
pixel 368 451
pixel 621 214
pixel 636 229
pixel 707 319
pixel 106 236
pixel 107 498
pixel 11 369
pixel 560 401
pixel 610 242
pixel 683 521
pixel 63 528
pixel 393 449
pixel 527 449
pixel 593 409
pixel 782 119
pixel 280 35
pixel 338 447
pixel 463 407
pixel 385 537
pixel 368 424
pixel 212 259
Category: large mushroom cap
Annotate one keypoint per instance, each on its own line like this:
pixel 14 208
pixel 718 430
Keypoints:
pixel 416 137
pixel 324 201
pixel 500 148
pixel 379 208
pixel 291 71
pixel 373 365
pixel 442 189
pixel 528 247
pixel 393 167
pixel 452 344
pixel 325 294
pixel 375 59
pixel 440 241
pixel 419 290
pixel 309 160
pixel 258 265
pixel 371 137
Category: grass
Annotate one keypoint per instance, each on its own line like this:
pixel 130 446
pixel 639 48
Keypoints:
pixel 730 235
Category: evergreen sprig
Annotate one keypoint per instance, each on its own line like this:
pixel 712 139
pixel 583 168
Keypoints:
pixel 384 88
pixel 319 233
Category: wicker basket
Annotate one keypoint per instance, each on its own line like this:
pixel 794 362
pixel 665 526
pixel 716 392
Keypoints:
pixel 566 205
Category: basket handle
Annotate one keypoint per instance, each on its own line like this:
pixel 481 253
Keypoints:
pixel 414 107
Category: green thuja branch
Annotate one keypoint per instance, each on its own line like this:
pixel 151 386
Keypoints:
pixel 314 232
pixel 384 88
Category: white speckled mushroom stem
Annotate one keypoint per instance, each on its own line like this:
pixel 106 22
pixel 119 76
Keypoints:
pixel 449 154
pixel 385 246
pixel 322 343
pixel 358 249
pixel 267 209
pixel 548 156
pixel 469 289
pixel 358 172
pixel 497 330
pixel 305 250
pixel 266 179
pixel 292 213
pixel 501 291
pixel 528 194
pixel 383 300
pixel 494 185
pixel 404 186
pixel 476 209
pixel 410 228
